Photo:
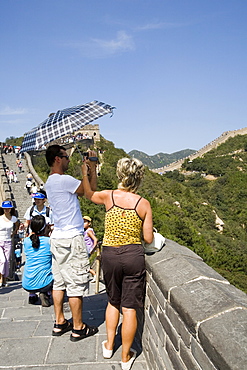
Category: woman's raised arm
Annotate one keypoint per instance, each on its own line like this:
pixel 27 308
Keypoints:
pixel 98 197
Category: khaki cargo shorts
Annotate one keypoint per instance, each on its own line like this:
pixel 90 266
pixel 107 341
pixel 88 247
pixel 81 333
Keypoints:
pixel 70 265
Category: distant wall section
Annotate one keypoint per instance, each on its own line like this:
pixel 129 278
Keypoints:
pixel 90 130
pixel 213 144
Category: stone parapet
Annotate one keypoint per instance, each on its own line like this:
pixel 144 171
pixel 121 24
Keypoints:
pixel 193 317
pixel 36 177
pixel 5 191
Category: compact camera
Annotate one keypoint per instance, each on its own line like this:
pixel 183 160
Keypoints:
pixel 93 159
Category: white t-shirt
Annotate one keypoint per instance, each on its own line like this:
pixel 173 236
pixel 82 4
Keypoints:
pixel 49 220
pixel 68 221
pixel 6 228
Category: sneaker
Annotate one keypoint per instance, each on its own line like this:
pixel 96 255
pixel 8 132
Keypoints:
pixel 45 301
pixel 33 299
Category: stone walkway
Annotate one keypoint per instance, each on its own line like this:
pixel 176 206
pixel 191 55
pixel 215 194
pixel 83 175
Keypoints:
pixel 26 341
pixel 21 198
pixel 25 330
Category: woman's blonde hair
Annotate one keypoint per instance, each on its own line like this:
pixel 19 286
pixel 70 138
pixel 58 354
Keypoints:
pixel 130 172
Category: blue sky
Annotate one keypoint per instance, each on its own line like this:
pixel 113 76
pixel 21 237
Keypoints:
pixel 174 69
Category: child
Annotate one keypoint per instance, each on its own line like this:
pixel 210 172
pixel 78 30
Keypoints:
pixel 90 240
pixel 18 249
pixel 28 186
pixel 21 231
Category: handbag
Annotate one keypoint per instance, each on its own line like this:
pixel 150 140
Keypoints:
pixel 157 244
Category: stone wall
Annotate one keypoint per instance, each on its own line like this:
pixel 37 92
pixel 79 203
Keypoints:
pixel 36 177
pixel 5 192
pixel 193 317
pixel 212 145
pixel 92 130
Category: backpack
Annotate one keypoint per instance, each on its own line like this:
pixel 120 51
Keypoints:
pixel 47 212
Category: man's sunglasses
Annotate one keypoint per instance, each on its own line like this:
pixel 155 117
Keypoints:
pixel 63 156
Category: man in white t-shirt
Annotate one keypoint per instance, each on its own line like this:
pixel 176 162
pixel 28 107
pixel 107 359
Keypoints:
pixel 70 263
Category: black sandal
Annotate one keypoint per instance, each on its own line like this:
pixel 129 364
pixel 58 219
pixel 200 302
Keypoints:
pixel 67 326
pixel 88 331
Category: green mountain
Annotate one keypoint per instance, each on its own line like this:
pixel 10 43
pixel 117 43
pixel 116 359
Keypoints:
pixel 187 204
pixel 160 159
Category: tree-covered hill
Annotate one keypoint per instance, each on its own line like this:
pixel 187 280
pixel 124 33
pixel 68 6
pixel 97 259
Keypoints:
pixel 185 205
pixel 160 159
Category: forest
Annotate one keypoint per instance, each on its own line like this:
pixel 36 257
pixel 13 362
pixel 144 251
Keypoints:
pixel 185 203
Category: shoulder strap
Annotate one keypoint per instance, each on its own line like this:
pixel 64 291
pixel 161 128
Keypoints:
pixel 137 203
pixel 31 211
pixel 112 198
pixel 47 212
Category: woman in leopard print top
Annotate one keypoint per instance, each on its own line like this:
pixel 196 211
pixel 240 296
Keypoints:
pixel 128 220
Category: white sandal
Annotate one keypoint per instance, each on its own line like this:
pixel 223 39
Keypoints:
pixel 107 353
pixel 127 365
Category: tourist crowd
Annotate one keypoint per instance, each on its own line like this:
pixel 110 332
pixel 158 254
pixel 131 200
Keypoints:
pixel 58 241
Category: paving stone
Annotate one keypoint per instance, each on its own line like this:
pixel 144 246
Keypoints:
pixel 50 367
pixel 100 366
pixel 44 328
pixel 23 329
pixel 62 350
pixel 26 351
pixel 13 304
pixel 22 312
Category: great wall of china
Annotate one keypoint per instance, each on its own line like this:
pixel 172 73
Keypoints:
pixel 213 144
pixel 193 318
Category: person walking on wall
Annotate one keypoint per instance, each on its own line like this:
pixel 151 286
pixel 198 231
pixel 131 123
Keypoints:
pixel 19 165
pixel 128 219
pixel 8 226
pixel 70 262
pixel 28 186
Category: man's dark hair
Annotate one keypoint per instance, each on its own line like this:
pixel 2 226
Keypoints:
pixel 52 152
